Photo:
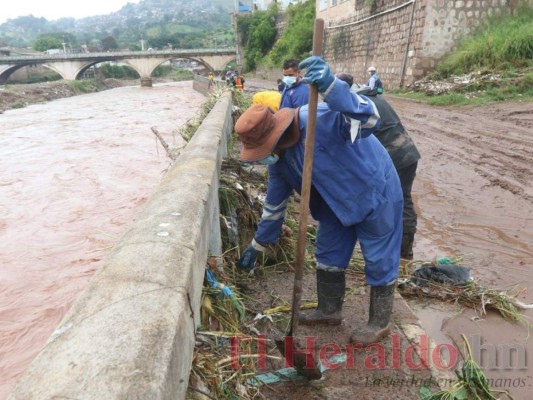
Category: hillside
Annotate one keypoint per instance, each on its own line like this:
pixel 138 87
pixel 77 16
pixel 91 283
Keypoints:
pixel 180 23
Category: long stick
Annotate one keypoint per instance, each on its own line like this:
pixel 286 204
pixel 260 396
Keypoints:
pixel 163 143
pixel 306 183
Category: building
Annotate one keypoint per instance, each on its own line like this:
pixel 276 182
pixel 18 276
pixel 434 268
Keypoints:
pixel 261 5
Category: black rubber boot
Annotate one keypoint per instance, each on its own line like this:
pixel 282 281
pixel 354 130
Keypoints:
pixel 330 292
pixel 380 310
pixel 406 251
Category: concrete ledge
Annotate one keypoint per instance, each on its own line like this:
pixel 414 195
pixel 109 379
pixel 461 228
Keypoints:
pixel 202 84
pixel 130 335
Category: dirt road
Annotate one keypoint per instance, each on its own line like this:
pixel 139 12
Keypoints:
pixel 474 188
pixel 474 195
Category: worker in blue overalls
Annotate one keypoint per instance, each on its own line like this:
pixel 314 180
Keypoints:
pixel 296 92
pixel 355 194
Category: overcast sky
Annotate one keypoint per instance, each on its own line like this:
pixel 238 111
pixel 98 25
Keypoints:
pixel 55 9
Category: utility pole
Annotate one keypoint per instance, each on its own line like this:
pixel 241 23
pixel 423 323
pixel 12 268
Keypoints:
pixel 237 39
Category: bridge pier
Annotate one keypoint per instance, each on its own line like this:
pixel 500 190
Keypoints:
pixel 146 82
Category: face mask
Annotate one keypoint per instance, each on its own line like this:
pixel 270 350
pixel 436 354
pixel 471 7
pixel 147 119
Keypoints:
pixel 289 80
pixel 270 160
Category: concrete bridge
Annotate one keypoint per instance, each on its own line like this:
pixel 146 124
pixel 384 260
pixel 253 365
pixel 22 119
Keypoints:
pixel 72 66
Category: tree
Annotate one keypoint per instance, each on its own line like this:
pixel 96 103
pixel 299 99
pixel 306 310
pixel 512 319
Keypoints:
pixel 297 39
pixel 47 42
pixel 109 43
pixel 259 31
pixel 54 40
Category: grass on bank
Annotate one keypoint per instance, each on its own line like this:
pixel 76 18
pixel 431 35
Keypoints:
pixel 511 90
pixel 503 43
pixel 502 47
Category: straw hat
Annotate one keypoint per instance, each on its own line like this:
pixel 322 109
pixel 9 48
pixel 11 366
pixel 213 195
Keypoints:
pixel 260 130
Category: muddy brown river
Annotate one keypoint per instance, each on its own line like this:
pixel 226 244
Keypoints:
pixel 73 174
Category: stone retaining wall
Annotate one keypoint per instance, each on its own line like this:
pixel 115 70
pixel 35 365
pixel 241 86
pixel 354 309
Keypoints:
pixel 404 39
pixel 202 84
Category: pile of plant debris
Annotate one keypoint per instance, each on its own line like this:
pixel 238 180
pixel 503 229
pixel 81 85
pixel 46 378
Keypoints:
pixel 480 80
pixel 471 383
pixel 226 313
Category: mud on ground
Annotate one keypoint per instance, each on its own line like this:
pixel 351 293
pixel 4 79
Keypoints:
pixel 474 199
pixel 378 371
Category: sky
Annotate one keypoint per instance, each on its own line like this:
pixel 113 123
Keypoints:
pixel 55 9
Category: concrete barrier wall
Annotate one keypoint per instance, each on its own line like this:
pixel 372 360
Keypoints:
pixel 131 333
pixel 201 84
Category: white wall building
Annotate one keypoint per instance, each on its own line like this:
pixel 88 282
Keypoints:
pixel 262 5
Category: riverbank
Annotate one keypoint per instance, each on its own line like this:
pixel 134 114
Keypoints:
pixel 16 96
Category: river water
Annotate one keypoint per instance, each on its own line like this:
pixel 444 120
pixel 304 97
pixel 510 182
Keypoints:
pixel 73 174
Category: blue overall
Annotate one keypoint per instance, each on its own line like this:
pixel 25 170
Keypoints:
pixel 355 195
pixel 295 96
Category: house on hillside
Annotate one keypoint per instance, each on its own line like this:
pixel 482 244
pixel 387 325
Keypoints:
pixel 404 39
pixel 243 8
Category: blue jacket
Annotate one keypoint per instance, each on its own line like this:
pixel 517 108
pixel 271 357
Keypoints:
pixel 349 177
pixel 295 96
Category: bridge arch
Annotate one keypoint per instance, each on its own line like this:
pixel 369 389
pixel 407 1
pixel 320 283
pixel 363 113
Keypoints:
pixel 72 66
pixel 6 72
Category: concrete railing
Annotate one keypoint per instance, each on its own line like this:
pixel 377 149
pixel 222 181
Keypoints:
pixel 202 84
pixel 130 335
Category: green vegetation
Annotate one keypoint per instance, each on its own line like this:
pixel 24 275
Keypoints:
pixel 172 73
pixel 47 42
pixel 118 71
pixel 258 34
pixel 53 40
pixel 109 43
pixel 471 383
pixel 503 43
pixel 46 76
pixel 84 86
pixel 297 39
pixel 164 70
pixel 158 23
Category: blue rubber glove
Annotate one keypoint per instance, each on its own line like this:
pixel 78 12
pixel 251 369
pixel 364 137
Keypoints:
pixel 249 256
pixel 317 73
